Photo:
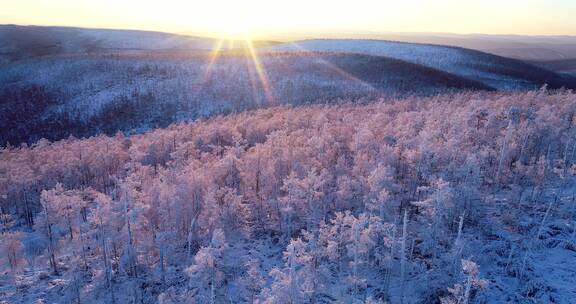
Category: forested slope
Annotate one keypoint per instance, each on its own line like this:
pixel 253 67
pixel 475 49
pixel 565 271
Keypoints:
pixel 495 71
pixel 19 42
pixel 453 198
pixel 57 82
pixel 84 95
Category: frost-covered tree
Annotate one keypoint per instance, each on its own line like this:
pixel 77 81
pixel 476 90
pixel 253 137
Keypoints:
pixel 206 273
pixel 137 210
pixel 381 190
pixel 253 281
pixel 293 282
pixel 461 293
pixel 12 250
pixel 49 224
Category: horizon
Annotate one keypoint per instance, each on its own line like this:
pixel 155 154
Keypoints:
pixel 258 19
pixel 292 36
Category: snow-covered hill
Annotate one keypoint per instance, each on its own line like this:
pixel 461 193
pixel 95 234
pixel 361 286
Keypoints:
pixel 126 39
pixel 497 72
pixel 58 81
pixel 84 95
pixel 22 42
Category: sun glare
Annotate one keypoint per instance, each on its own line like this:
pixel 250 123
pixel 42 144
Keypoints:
pixel 267 18
pixel 238 21
pixel 231 29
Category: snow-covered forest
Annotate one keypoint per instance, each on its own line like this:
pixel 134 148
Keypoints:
pixel 57 97
pixel 117 88
pixel 462 198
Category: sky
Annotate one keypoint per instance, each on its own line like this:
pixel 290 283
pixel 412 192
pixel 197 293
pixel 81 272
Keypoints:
pixel 268 17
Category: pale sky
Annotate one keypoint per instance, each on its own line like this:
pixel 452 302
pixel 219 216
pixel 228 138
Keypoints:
pixel 263 17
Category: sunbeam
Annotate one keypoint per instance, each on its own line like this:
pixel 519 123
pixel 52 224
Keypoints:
pixel 245 47
pixel 214 55
pixel 260 71
pixel 336 69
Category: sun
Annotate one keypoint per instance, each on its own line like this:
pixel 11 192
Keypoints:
pixel 235 30
pixel 238 22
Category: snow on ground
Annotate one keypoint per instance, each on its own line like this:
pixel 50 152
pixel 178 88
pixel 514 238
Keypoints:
pixel 125 39
pixel 551 271
pixel 458 61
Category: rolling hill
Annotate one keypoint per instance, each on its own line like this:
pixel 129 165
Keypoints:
pixel 86 95
pixel 23 42
pixel 494 71
pixel 523 47
pixel 560 66
pixel 57 82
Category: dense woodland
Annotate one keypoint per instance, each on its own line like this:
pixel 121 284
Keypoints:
pixel 91 94
pixel 136 90
pixel 445 199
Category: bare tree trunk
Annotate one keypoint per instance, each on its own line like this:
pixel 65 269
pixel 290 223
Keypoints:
pixel 403 256
pixel 162 269
pixel 356 236
pixel 107 268
pixel 69 222
pixel 190 236
pixel 27 211
pixel 459 235
pixel 531 244
pixel 390 263
pixel 571 159
pixel 132 262
pixel 502 153
pixel 510 255
pixel 545 217
pixel 82 241
pixel 566 158
pixel 468 289
pixel 50 239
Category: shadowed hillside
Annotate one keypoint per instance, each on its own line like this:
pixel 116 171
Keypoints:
pixel 80 82
pixel 495 71
pixel 83 95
